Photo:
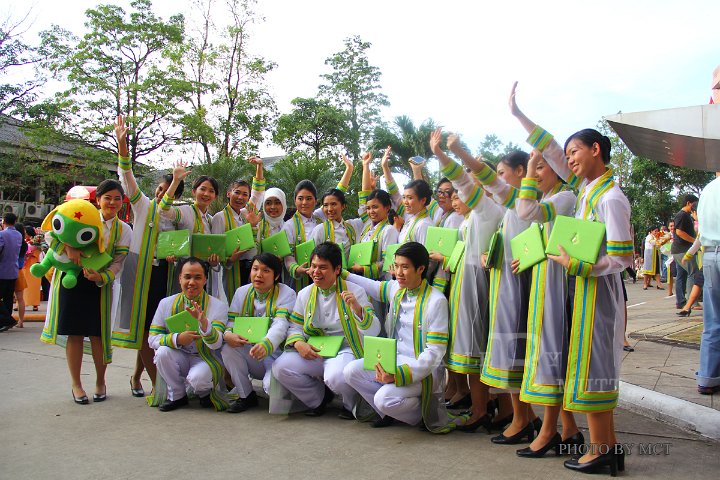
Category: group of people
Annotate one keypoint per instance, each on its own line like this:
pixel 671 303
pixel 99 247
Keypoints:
pixel 19 250
pixel 483 337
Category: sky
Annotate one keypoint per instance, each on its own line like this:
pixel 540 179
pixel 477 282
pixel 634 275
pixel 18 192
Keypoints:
pixel 455 61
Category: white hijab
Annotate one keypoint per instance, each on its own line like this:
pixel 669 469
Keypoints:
pixel 280 195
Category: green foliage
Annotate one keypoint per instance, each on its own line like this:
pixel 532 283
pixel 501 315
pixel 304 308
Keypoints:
pixel 225 171
pixel 354 86
pixel 15 53
pixel 289 171
pixel 121 65
pixel 492 149
pixel 314 125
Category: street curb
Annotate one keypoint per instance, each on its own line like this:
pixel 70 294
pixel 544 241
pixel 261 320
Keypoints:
pixel 674 411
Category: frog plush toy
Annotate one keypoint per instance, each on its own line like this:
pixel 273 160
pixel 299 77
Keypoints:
pixel 76 223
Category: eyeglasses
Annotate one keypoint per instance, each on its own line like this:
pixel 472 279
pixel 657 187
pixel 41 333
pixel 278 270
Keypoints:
pixel 444 193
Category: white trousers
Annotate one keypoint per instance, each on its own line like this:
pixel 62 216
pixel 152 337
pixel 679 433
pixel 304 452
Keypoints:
pixel 241 366
pixel 176 367
pixel 306 379
pixel 401 403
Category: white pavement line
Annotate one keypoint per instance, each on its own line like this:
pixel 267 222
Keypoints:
pixel 637 304
pixel 675 411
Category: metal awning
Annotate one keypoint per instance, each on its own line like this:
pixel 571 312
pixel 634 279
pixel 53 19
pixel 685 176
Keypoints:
pixel 685 137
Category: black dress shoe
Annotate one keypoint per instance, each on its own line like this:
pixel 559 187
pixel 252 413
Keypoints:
pixel 483 421
pixel 383 422
pixel 571 445
pixel 346 414
pixel 205 401
pixel 136 392
pixel 553 444
pixel 499 424
pixel 80 400
pixel 527 432
pixel 171 405
pixel 609 459
pixel 320 409
pixel 242 404
pixel 100 397
pixel 464 402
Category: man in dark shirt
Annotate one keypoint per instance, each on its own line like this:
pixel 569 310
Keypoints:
pixel 684 236
pixel 10 243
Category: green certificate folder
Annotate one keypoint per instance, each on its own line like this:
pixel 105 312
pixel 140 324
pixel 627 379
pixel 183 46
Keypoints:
pixel 528 247
pixel 441 240
pixel 581 239
pixel 277 244
pixel 205 244
pixel 455 256
pixel 329 345
pixel 303 252
pixel 96 261
pixel 361 253
pixel 380 350
pixel 495 248
pixel 252 328
pixel 182 322
pixel 173 243
pixel 389 256
pixel 240 238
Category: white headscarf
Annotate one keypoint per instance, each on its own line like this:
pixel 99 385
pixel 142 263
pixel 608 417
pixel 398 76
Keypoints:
pixel 280 195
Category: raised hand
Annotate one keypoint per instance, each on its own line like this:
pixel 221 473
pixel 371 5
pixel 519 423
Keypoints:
pixel 121 130
pixel 435 139
pixel 514 109
pixel 180 171
pixel 197 312
pixel 453 142
pixel 366 159
pixel 255 160
pixel 346 160
pixel 386 157
pixel 252 215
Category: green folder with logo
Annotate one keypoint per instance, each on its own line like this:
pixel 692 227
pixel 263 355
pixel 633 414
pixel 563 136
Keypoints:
pixel 380 350
pixel 329 345
pixel 252 328
pixel 581 239
pixel 528 247
pixel 303 252
pixel 174 243
pixel 361 253
pixel 96 261
pixel 239 239
pixel 389 256
pixel 441 240
pixel 205 244
pixel 456 256
pixel 277 244
pixel 182 322
pixel 495 251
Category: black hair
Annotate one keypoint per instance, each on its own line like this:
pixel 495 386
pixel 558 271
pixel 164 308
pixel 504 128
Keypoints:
pixel 168 178
pixel 271 261
pixel 444 180
pixel 381 196
pixel 9 218
pixel 20 228
pixel 589 137
pixel 206 178
pixel 30 230
pixel 239 183
pixel 108 186
pixel 516 158
pixel 421 189
pixel 193 260
pixel 417 254
pixel 305 185
pixel 689 198
pixel 328 251
pixel 334 192
pixel 693 208
pixel 23 245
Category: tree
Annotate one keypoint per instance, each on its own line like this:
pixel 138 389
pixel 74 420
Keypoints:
pixel 354 86
pixel 16 54
pixel 122 65
pixel 406 140
pixel 289 171
pixel 232 111
pixel 313 124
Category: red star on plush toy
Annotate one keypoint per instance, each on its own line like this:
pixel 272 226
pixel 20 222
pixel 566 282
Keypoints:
pixel 78 215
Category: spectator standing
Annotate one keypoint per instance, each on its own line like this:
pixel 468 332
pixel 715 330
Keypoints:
pixel 10 243
pixel 684 236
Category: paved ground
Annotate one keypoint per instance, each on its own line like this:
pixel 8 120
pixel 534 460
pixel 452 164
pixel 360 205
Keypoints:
pixel 47 436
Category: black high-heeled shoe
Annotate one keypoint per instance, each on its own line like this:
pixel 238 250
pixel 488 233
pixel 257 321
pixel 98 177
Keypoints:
pixel 620 456
pixel 483 421
pixel 572 444
pixel 609 459
pixel 527 431
pixel 136 392
pixel 80 400
pixel 684 313
pixel 501 423
pixel 464 402
pixel 553 444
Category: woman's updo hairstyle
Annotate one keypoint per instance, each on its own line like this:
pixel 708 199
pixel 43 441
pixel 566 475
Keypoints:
pixel 516 158
pixel 589 137
pixel 422 190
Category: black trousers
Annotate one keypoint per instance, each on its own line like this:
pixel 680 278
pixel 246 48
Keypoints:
pixel 7 291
